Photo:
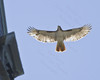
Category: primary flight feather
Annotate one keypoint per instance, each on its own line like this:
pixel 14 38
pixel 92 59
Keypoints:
pixel 59 35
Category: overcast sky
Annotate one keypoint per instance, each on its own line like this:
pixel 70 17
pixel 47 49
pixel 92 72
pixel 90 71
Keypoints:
pixel 81 61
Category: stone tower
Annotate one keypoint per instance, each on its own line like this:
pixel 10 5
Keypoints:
pixel 10 63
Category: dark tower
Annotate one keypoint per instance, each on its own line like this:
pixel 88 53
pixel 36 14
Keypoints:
pixel 10 63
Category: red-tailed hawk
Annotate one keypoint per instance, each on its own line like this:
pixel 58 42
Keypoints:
pixel 59 35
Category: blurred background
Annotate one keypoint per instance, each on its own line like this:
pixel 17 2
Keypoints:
pixel 81 61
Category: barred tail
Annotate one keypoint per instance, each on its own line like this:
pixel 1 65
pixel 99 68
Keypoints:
pixel 60 46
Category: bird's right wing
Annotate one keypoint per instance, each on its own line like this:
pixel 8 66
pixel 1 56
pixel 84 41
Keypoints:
pixel 76 33
pixel 42 35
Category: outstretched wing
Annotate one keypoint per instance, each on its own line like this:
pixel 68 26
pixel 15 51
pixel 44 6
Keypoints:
pixel 76 33
pixel 41 35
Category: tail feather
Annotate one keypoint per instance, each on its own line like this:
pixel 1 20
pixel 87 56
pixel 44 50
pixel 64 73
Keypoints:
pixel 60 47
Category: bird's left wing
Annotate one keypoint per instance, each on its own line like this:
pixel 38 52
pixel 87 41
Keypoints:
pixel 76 33
pixel 42 35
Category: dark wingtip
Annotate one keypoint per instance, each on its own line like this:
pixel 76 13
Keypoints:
pixel 30 28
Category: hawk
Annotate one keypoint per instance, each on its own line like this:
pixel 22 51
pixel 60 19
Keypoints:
pixel 59 35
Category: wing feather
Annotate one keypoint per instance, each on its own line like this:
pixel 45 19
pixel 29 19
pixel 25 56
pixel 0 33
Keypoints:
pixel 76 33
pixel 42 35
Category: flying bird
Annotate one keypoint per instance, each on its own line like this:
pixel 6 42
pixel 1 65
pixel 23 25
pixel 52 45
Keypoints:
pixel 59 35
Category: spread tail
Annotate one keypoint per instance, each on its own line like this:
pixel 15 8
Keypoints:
pixel 60 46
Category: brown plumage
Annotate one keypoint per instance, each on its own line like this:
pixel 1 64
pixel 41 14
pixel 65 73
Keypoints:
pixel 60 47
pixel 60 35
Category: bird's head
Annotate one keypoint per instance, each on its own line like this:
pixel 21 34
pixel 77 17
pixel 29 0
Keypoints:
pixel 59 28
